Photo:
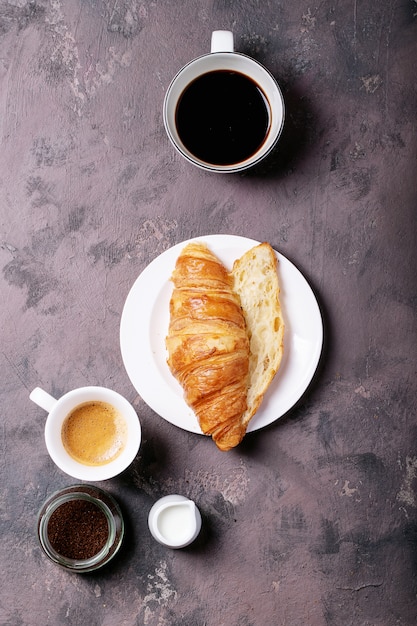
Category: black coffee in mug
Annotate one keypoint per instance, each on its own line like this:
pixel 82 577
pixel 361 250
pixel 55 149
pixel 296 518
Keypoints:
pixel 223 117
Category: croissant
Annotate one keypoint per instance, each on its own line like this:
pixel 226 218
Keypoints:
pixel 207 344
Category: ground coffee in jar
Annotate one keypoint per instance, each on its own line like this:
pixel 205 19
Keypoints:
pixel 78 529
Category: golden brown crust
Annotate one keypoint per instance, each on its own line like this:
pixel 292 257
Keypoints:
pixel 208 346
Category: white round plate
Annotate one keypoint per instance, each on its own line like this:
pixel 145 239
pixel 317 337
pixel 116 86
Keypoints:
pixel 144 326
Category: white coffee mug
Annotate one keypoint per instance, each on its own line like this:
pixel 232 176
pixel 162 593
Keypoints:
pixel 244 150
pixel 59 410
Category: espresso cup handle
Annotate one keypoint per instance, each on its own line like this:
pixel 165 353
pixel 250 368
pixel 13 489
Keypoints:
pixel 221 41
pixel 43 399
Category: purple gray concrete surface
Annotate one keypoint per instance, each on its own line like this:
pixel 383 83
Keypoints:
pixel 312 521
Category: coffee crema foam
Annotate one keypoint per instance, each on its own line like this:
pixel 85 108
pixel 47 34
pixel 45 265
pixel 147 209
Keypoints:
pixel 94 433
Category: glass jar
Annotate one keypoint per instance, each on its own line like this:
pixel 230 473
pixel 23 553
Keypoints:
pixel 95 505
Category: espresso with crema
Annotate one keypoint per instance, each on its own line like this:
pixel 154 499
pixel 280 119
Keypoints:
pixel 94 433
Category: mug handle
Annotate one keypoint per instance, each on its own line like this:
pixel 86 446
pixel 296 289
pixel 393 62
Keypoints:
pixel 221 41
pixel 43 399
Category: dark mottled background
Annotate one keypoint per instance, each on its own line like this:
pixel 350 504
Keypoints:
pixel 312 521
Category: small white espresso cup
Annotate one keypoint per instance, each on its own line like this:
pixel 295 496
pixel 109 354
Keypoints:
pixel 59 410
pixel 237 137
